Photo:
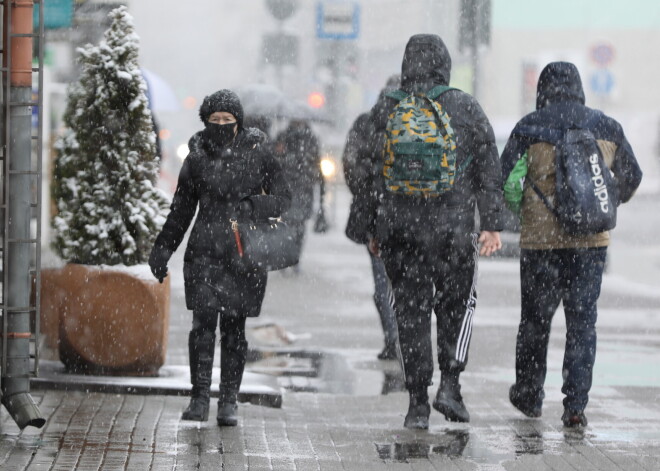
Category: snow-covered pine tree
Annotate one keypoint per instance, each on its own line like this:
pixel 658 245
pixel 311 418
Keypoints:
pixel 109 210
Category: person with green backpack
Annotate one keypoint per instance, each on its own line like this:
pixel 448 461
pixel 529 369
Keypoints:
pixel 436 162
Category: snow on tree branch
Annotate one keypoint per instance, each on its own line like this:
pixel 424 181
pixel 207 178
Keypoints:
pixel 109 210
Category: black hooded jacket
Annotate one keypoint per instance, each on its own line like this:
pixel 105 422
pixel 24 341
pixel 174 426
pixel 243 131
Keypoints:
pixel 298 152
pixel 426 64
pixel 358 172
pixel 560 105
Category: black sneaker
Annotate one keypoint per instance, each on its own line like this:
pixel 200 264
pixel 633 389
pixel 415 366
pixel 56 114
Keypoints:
pixel 449 403
pixel 530 410
pixel 574 419
pixel 417 417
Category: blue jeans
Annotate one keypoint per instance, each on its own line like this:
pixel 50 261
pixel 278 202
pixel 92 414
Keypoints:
pixel 572 276
pixel 383 299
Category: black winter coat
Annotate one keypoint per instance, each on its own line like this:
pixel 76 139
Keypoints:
pixel 212 182
pixel 299 155
pixel 426 64
pixel 359 167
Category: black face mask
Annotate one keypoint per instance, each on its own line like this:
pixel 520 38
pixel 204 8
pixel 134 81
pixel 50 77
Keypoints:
pixel 219 134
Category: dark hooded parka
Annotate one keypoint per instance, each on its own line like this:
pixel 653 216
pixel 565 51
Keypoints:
pixel 429 245
pixel 556 267
pixel 360 165
pixel 213 181
pixel 560 105
pixel 299 154
pixel 426 64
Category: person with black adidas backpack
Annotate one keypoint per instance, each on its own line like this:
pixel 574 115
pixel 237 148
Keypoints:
pixel 436 162
pixel 567 168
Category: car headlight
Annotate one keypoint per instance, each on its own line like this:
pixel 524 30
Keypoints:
pixel 328 167
pixel 182 151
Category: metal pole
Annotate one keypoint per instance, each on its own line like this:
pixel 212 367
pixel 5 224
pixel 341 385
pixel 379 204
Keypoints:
pixel 474 53
pixel 39 183
pixel 16 377
pixel 18 256
pixel 278 67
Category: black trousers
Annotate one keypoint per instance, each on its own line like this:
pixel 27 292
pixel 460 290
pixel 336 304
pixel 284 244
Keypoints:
pixel 432 272
pixel 233 345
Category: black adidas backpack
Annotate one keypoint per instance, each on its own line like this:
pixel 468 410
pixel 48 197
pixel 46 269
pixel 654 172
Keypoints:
pixel 586 196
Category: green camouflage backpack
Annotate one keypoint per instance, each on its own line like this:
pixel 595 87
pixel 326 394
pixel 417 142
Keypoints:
pixel 420 148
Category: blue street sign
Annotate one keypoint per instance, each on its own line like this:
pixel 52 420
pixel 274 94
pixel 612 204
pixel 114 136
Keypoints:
pixel 57 14
pixel 602 82
pixel 337 19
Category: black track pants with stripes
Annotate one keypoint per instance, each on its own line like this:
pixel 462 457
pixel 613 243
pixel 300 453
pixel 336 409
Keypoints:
pixel 432 274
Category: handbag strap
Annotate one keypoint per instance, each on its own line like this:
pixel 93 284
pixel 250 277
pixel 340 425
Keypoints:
pixel 237 237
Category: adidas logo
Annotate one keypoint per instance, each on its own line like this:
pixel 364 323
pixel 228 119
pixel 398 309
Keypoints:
pixel 600 190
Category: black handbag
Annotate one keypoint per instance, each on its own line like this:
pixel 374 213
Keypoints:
pixel 268 244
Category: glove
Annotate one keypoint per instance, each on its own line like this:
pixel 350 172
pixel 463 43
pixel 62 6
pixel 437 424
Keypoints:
pixel 158 263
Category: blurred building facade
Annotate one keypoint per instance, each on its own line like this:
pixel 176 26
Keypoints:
pixel 209 44
pixel 613 46
pixel 201 46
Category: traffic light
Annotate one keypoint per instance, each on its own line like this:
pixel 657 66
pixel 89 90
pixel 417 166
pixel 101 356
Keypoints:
pixel 316 100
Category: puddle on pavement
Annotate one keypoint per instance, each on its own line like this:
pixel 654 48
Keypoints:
pixel 529 444
pixel 484 447
pixel 309 371
pixel 323 372
pixel 451 444
pixel 27 442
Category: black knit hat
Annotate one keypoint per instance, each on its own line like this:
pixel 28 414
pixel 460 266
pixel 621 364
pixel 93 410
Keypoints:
pixel 223 100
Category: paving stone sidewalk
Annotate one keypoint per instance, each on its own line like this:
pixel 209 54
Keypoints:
pixel 315 432
pixel 343 410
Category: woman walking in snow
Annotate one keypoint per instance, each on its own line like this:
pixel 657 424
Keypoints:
pixel 228 172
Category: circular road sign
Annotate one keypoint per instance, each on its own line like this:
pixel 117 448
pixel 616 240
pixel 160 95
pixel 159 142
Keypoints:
pixel 602 54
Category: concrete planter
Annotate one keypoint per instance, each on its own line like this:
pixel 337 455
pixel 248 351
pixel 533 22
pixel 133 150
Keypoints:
pixel 105 320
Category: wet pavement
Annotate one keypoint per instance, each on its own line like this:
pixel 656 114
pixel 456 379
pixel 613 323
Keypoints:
pixel 342 409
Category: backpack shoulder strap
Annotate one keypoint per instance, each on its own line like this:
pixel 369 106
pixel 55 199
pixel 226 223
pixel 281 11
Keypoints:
pixel 464 165
pixel 398 95
pixel 540 194
pixel 431 97
pixel 438 90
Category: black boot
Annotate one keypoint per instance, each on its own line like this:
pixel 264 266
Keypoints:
pixel 449 401
pixel 227 407
pixel 233 353
pixel 201 347
pixel 521 401
pixel 418 409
